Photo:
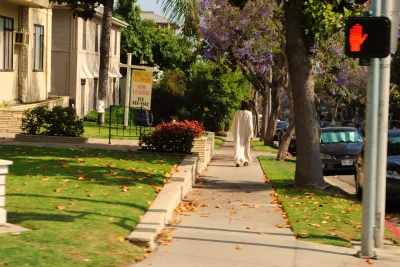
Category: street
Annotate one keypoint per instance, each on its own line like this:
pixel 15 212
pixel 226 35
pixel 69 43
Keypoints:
pixel 346 182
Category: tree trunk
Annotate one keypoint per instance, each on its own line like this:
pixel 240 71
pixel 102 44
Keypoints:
pixel 308 163
pixel 285 141
pixel 105 54
pixel 273 118
pixel 256 123
pixel 264 119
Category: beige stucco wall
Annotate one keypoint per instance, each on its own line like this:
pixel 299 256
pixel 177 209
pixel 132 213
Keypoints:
pixel 9 79
pixel 38 84
pixel 69 58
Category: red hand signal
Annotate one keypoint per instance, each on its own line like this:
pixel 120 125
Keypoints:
pixel 356 38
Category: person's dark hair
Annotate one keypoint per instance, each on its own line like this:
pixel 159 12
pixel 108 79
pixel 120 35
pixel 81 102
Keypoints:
pixel 245 105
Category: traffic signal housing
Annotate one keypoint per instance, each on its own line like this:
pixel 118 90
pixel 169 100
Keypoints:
pixel 367 37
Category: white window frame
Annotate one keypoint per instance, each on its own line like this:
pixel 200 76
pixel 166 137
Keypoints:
pixel 38 48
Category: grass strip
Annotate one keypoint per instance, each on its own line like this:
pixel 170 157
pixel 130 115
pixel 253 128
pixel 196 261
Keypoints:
pixel 328 217
pixel 259 146
pixel 79 204
pixel 92 130
pixel 218 141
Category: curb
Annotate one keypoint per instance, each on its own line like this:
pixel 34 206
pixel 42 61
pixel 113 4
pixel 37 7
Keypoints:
pixel 392 228
pixel 161 210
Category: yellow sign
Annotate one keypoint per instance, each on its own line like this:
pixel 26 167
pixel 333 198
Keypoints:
pixel 142 76
pixel 141 88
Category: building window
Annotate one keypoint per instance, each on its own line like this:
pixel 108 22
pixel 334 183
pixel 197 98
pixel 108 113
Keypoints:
pixel 6 43
pixel 84 35
pixel 96 39
pixel 115 43
pixel 38 37
pixel 96 82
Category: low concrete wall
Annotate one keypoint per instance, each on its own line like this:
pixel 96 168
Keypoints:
pixel 11 118
pixel 50 139
pixel 161 210
pixel 205 147
pixel 3 171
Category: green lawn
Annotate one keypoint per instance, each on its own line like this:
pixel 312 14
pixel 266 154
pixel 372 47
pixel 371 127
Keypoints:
pixel 92 130
pixel 328 217
pixel 79 204
pixel 259 146
pixel 218 141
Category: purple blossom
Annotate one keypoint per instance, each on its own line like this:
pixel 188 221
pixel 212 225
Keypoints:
pixel 205 4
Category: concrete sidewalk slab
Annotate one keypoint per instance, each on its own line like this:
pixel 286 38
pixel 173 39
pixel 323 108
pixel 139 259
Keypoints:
pixel 236 226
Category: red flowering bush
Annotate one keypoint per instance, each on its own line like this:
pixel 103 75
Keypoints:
pixel 174 137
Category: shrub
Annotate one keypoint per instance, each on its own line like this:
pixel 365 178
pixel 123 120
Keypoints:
pixel 117 116
pixel 61 121
pixel 174 137
pixel 33 119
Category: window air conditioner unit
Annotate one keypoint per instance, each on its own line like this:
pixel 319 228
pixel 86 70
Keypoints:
pixel 21 37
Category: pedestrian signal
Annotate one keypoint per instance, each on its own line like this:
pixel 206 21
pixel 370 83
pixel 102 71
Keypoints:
pixel 367 37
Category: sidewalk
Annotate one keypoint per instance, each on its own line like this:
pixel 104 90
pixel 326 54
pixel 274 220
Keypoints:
pixel 238 227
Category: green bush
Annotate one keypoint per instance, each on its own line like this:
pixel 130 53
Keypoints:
pixel 60 121
pixel 33 119
pixel 63 121
pixel 117 116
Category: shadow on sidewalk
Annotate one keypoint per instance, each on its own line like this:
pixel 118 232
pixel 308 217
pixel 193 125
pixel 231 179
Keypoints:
pixel 261 244
pixel 226 230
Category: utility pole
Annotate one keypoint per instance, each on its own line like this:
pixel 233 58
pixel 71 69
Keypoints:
pixel 390 10
pixel 369 188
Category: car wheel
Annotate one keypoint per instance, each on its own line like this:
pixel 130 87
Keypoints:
pixel 358 188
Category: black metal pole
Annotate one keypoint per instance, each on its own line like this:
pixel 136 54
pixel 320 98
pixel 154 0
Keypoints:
pixel 141 114
pixel 109 127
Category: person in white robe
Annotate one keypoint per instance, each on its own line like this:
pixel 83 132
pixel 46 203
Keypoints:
pixel 242 130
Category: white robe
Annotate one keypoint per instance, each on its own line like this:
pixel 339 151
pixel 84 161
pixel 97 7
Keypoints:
pixel 242 130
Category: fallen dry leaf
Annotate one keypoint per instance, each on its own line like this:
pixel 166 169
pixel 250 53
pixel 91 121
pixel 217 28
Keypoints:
pixel 250 228
pixel 125 188
pixel 239 247
pixel 218 207
pixel 90 195
pixel 280 225
pixel 304 235
pixel 149 202
pixel 60 207
pixel 121 239
pixel 45 179
pixel 111 165
pixel 369 261
pixel 248 191
pixel 58 189
pixel 64 165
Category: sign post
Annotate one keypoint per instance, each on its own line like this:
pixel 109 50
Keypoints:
pixel 128 84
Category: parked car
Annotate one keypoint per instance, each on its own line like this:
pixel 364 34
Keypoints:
pixel 392 168
pixel 340 147
pixel 281 127
pixel 292 144
pixel 143 117
pixel 325 124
